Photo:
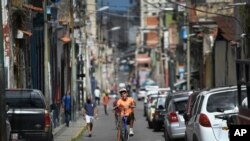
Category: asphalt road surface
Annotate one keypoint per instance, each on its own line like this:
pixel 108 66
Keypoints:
pixel 104 127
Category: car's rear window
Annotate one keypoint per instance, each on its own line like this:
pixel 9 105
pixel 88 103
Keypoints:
pixel 24 99
pixel 161 101
pixel 180 106
pixel 223 100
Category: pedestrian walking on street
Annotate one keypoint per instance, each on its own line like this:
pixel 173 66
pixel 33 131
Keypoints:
pixel 105 102
pixel 97 93
pixel 67 107
pixel 89 113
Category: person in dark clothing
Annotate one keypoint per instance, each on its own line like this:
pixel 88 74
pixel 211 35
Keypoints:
pixel 67 108
pixel 89 113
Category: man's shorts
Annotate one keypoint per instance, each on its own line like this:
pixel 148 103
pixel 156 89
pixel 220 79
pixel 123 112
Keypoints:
pixel 89 119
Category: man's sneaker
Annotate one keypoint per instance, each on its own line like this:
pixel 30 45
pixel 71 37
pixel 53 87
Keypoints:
pixel 131 132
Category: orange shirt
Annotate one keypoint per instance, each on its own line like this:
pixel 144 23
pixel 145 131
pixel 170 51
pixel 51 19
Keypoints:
pixel 105 100
pixel 124 104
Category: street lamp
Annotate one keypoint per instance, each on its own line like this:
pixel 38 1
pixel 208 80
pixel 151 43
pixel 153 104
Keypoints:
pixel 115 28
pixel 102 8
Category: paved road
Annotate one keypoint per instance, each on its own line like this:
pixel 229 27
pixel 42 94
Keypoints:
pixel 104 128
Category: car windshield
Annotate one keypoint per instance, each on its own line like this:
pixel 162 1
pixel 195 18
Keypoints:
pixel 180 106
pixel 161 101
pixel 223 100
pixel 23 99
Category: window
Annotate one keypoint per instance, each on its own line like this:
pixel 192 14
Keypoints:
pixel 180 106
pixel 24 99
pixel 161 101
pixel 223 100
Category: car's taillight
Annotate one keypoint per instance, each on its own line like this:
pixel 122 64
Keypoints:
pixel 204 121
pixel 47 120
pixel 173 117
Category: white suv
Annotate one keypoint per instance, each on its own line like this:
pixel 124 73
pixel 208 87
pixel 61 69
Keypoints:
pixel 204 124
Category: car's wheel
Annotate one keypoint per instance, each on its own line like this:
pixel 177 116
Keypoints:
pixel 156 126
pixel 195 138
pixel 165 135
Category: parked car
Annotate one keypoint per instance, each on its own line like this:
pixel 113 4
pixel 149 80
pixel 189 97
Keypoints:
pixel 154 91
pixel 205 123
pixel 141 93
pixel 174 123
pixel 150 109
pixel 28 115
pixel 147 101
pixel 158 116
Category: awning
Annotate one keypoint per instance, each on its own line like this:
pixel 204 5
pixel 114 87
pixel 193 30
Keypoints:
pixel 180 83
pixel 142 59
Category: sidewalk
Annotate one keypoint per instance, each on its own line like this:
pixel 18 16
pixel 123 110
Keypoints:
pixel 71 133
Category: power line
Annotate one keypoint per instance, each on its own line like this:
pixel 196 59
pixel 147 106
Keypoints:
pixel 118 15
pixel 187 7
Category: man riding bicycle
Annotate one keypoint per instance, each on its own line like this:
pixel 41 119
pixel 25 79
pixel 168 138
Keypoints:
pixel 126 105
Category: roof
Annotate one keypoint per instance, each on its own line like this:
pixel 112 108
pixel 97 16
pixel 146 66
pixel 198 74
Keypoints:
pixel 219 89
pixel 227 26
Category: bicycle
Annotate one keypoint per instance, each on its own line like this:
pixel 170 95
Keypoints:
pixel 124 136
pixel 122 121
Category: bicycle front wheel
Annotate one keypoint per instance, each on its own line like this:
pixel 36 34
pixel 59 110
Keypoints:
pixel 124 133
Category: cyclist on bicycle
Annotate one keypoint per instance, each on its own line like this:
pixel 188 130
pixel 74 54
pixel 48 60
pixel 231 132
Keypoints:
pixel 126 105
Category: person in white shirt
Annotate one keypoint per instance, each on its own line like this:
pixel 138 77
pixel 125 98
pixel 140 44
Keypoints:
pixel 97 93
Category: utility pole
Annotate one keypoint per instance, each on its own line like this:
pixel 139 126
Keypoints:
pixel 3 136
pixel 46 54
pixel 73 63
pixel 188 49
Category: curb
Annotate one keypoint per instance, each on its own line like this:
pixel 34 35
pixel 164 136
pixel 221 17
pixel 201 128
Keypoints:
pixel 58 129
pixel 79 134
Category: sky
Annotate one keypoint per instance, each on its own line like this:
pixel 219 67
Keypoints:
pixel 121 5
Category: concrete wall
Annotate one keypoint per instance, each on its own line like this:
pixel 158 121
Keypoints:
pixel 225 71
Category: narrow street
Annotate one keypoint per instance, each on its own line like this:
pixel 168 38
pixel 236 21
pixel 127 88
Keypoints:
pixel 104 127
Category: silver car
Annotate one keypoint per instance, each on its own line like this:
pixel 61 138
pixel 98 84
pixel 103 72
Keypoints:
pixel 174 122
